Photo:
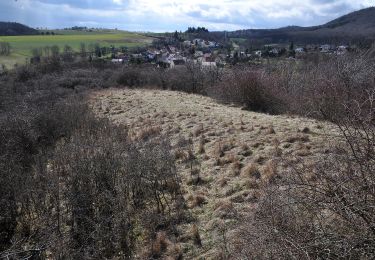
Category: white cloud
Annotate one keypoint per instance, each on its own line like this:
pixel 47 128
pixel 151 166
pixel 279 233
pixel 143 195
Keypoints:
pixel 118 2
pixel 162 15
pixel 245 13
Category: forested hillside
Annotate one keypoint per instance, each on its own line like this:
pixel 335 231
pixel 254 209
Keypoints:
pixel 12 29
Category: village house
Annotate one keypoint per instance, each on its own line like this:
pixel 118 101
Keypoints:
pixel 198 54
pixel 342 49
pixel 326 48
pixel 137 56
pixel 258 54
pixel 187 43
pixel 220 61
pixel 207 65
pixel 299 50
pixel 171 60
pixel 274 51
pixel 208 57
pixel 117 61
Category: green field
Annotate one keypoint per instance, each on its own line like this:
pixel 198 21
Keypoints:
pixel 21 46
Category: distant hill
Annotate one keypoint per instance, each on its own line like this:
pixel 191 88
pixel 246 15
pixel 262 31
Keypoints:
pixel 356 26
pixel 12 29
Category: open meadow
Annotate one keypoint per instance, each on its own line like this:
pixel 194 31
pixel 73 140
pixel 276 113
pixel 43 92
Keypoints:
pixel 21 46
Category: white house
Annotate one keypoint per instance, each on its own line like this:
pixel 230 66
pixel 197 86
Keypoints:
pixel 325 48
pixel 342 49
pixel 187 43
pixel 198 54
pixel 274 51
pixel 206 64
pixel 299 50
pixel 117 61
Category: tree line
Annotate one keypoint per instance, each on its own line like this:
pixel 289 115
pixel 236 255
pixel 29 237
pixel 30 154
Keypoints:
pixel 197 30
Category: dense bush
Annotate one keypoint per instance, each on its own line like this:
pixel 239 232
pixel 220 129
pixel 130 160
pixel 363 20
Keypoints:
pixel 319 88
pixel 248 88
pixel 107 182
pixel 72 185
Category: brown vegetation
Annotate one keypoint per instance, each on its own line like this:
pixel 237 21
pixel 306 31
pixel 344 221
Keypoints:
pixel 76 185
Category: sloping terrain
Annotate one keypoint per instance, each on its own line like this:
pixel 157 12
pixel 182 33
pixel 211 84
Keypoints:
pixel 224 154
pixel 13 29
pixel 359 24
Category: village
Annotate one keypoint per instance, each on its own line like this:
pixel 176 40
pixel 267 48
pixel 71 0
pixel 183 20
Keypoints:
pixel 169 53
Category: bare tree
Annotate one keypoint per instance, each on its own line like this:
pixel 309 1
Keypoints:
pixel 4 48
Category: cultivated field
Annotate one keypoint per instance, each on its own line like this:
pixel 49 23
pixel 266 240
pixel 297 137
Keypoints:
pixel 225 154
pixel 21 46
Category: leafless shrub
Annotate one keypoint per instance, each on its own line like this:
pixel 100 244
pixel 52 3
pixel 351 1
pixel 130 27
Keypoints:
pixel 247 88
pixel 99 179
pixel 129 77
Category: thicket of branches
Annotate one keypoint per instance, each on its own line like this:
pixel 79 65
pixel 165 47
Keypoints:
pixel 73 185
pixel 324 209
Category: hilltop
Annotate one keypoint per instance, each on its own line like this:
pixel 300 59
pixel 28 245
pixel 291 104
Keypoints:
pixel 229 144
pixel 353 26
pixel 14 29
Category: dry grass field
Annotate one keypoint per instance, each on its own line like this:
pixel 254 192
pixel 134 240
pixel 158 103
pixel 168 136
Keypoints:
pixel 224 154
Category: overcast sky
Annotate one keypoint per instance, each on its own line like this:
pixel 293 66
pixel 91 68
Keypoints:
pixel 170 15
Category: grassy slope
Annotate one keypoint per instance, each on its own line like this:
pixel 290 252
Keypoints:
pixel 22 45
pixel 228 195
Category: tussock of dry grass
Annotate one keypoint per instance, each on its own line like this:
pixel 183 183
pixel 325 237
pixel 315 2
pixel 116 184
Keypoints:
pixel 174 252
pixel 251 184
pixel 197 200
pixel 147 132
pixel 179 154
pixel 198 130
pixel 297 138
pixel 236 167
pixel 222 182
pixel 303 152
pixel 195 235
pixel 227 159
pixel 201 148
pixel 306 130
pixel 258 144
pixel 221 148
pixel 160 244
pixel 224 209
pixel 259 159
pixel 245 150
pixel 270 130
pixel 251 171
pixel 270 171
